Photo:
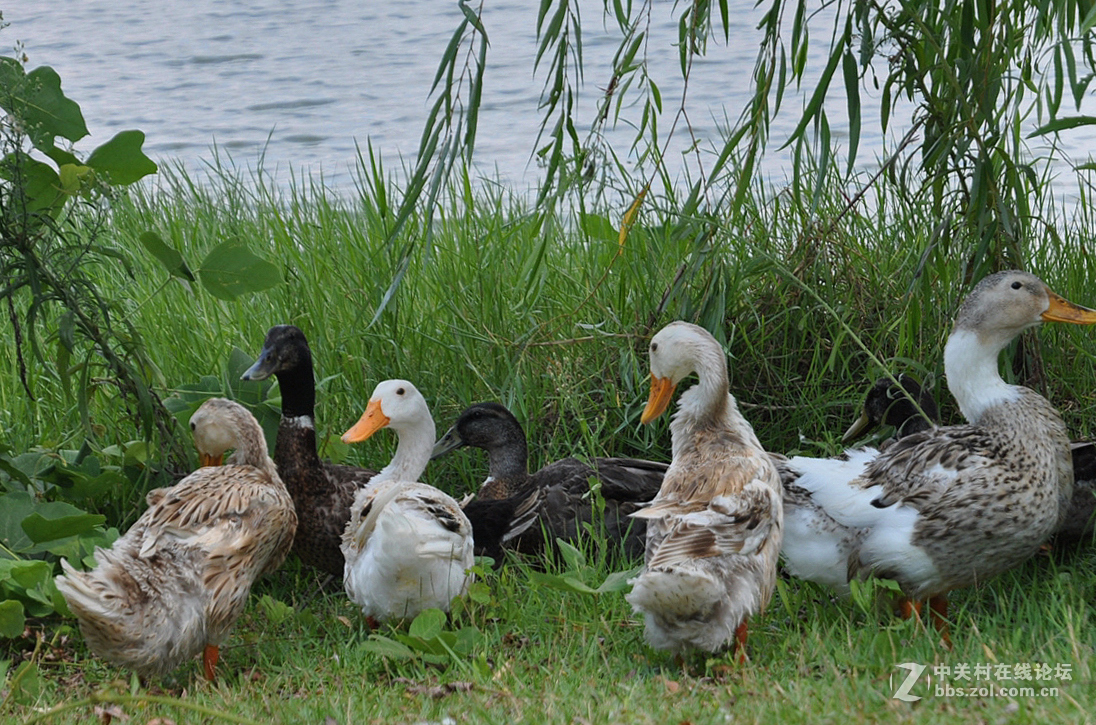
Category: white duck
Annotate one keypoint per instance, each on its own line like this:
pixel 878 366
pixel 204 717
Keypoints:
pixel 175 584
pixel 952 505
pixel 714 529
pixel 408 546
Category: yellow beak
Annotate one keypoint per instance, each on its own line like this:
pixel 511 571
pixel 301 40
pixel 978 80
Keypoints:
pixel 372 420
pixel 208 459
pixel 662 390
pixel 1062 310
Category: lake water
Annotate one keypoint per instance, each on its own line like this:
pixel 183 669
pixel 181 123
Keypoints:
pixel 303 83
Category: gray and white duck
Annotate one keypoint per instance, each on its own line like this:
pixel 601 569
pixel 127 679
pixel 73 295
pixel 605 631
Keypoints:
pixel 951 505
pixel 886 405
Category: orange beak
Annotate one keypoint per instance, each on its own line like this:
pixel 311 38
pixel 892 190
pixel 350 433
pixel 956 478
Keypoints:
pixel 662 390
pixel 1062 310
pixel 208 459
pixel 372 420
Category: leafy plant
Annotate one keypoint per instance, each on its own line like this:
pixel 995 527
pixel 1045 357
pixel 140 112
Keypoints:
pixel 427 639
pixel 51 233
pixel 229 271
pixel 578 576
pixel 37 528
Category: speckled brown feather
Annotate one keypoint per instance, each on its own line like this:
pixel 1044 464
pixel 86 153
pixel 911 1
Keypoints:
pixel 714 529
pixel 981 510
pixel 179 578
pixel 322 493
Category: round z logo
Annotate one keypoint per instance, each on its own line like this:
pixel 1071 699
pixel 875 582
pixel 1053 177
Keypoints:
pixel 903 691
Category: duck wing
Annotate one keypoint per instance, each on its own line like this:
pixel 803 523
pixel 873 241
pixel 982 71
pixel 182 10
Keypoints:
pixel 629 479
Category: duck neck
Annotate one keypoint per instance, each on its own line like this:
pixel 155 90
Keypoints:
pixel 416 441
pixel 295 448
pixel 708 399
pixel 507 465
pixel 251 451
pixel 970 365
pixel 298 388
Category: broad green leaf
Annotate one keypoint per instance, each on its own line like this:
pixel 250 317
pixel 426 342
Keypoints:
pixel 565 583
pixel 42 190
pixel 12 620
pixel 386 647
pixel 121 159
pixel 598 226
pixel 8 466
pixel 466 639
pixel 276 611
pixel 574 558
pixel 41 527
pixel 618 581
pixel 170 257
pixel 480 593
pixel 231 270
pixel 27 574
pixel 428 624
pixel 14 507
pixel 25 684
pixel 36 99
pixel 73 176
pixel 63 158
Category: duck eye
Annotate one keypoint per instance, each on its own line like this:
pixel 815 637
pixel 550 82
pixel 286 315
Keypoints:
pixel 654 346
pixel 1017 285
pixel 400 391
pixel 193 426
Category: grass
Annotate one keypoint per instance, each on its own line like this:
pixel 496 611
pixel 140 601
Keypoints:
pixel 542 310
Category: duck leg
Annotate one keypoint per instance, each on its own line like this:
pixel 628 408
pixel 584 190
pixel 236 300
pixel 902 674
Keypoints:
pixel 938 607
pixel 907 608
pixel 740 643
pixel 209 660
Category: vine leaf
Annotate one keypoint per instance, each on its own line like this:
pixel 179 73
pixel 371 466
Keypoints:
pixel 121 159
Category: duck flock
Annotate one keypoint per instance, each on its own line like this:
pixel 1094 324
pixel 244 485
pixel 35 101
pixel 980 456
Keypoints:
pixel 935 509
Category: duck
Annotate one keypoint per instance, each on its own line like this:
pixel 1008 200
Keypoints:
pixel 566 509
pixel 409 546
pixel 886 405
pixel 176 582
pixel 900 402
pixel 1080 522
pixel 952 505
pixel 322 491
pixel 715 527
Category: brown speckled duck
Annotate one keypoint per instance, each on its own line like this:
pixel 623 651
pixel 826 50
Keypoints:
pixel 886 405
pixel 176 582
pixel 952 505
pixel 626 484
pixel 714 529
pixel 322 491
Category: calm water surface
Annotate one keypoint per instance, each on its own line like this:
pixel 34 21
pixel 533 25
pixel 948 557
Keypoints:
pixel 303 83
